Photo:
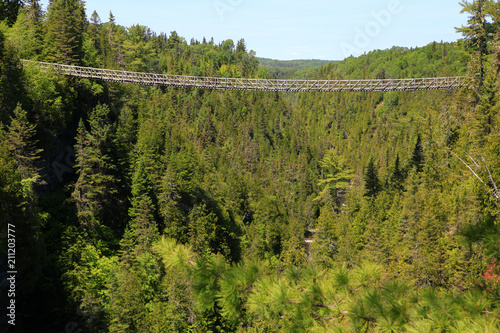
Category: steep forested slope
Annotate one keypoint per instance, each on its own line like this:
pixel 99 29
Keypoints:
pixel 172 210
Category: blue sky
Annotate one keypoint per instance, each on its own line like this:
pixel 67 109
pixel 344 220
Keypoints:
pixel 292 29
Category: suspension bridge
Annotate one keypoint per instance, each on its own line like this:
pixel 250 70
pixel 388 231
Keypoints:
pixel 219 83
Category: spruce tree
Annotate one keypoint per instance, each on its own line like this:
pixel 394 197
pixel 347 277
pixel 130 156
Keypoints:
pixel 397 175
pixel 21 138
pixel 95 189
pixel 477 35
pixel 417 157
pixel 112 44
pixel 495 12
pixel 9 10
pixel 9 182
pixel 142 230
pixel 127 306
pixel 94 29
pixel 64 32
pixel 23 146
pixel 35 12
pixel 372 182
pixel 11 79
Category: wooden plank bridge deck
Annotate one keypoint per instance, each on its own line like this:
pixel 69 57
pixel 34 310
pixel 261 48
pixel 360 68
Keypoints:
pixel 219 83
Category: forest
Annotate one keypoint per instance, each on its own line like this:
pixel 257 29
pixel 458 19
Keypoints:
pixel 163 209
pixel 292 69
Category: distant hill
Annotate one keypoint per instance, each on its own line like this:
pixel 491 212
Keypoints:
pixel 298 64
pixel 285 69
pixel 434 59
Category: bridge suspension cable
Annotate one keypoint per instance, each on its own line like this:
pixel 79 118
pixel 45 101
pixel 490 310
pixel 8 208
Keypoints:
pixel 219 83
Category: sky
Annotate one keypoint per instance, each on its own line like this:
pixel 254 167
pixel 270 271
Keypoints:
pixel 293 29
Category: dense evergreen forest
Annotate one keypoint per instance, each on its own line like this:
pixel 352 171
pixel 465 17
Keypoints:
pixel 153 209
pixel 292 69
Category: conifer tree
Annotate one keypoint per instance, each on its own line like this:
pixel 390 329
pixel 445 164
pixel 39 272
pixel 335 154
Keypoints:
pixel 170 203
pixel 21 138
pixel 112 44
pixel 9 10
pixel 95 28
pixel 326 239
pixel 477 35
pixel 397 176
pixel 26 34
pixel 9 181
pixel 335 179
pixel 35 12
pixel 204 228
pixel 95 188
pixel 23 145
pixel 417 157
pixel 372 182
pixel 11 80
pixel 142 230
pixel 495 13
pixel 127 306
pixel 64 32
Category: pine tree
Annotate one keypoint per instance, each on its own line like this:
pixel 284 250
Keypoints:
pixel 335 179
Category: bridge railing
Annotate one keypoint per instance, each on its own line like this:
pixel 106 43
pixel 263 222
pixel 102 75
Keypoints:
pixel 254 84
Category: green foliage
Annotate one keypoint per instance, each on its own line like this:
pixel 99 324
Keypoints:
pixel 127 310
pixel 95 189
pixel 308 299
pixel 302 69
pixel 372 183
pixel 477 34
pixel 397 175
pixel 21 138
pixel 138 48
pixel 64 32
pixel 25 35
pixel 417 158
pixel 335 178
pixel 11 79
pixel 9 10
pixel 189 207
pixel 9 180
pixel 50 99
